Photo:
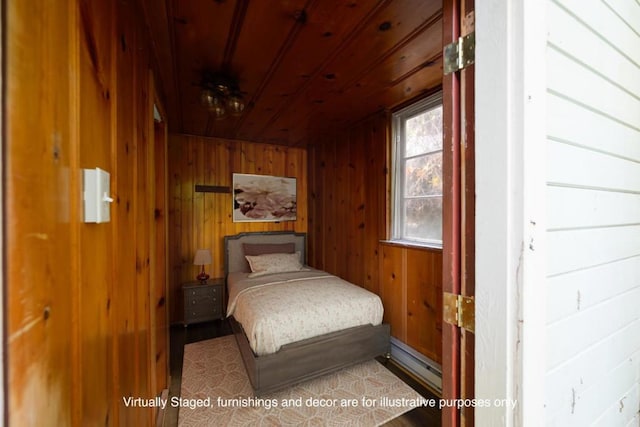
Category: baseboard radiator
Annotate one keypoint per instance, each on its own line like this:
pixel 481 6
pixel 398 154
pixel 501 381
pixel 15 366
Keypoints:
pixel 419 365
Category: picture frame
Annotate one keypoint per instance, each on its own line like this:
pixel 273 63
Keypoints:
pixel 264 198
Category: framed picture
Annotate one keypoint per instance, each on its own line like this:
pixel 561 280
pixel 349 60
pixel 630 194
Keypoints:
pixel 261 198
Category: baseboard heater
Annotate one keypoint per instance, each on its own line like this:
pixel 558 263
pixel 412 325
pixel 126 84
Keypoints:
pixel 419 365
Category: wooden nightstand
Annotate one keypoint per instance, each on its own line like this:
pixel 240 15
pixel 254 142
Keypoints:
pixel 203 301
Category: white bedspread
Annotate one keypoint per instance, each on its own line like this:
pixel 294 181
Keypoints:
pixel 282 308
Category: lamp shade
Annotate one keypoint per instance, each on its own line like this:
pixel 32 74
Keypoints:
pixel 203 257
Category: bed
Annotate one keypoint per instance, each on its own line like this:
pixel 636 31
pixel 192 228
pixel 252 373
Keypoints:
pixel 347 328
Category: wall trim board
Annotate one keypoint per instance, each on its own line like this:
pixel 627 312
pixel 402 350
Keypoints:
pixel 199 188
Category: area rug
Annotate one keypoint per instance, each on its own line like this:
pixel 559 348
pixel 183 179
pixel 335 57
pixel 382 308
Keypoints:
pixel 216 391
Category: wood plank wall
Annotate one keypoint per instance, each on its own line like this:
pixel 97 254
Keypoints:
pixel 348 220
pixel 80 296
pixel 201 220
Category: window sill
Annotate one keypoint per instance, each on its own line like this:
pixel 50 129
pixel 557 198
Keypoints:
pixel 412 245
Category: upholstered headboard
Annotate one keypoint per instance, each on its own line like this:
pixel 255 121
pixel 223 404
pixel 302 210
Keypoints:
pixel 235 261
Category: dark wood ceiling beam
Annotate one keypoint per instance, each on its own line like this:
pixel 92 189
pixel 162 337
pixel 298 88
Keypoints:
pixel 275 64
pixel 234 33
pixel 267 25
pixel 201 30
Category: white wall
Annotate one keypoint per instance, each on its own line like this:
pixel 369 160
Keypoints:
pixel 593 198
pixel 558 211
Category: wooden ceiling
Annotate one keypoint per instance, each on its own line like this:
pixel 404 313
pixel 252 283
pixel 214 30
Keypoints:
pixel 305 66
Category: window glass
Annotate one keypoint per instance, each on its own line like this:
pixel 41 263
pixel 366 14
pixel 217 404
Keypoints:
pixel 424 132
pixel 423 175
pixel 416 228
pixel 417 183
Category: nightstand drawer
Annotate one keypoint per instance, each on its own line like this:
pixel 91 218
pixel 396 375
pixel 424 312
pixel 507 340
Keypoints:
pixel 203 301
pixel 203 291
pixel 202 314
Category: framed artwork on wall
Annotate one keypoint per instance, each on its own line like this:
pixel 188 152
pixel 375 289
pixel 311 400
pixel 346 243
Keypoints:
pixel 263 198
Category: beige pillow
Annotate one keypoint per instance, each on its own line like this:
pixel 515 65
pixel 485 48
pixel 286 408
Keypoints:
pixel 274 263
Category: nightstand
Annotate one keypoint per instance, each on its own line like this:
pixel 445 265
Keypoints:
pixel 202 301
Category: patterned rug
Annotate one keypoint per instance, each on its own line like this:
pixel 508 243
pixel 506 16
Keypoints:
pixel 216 392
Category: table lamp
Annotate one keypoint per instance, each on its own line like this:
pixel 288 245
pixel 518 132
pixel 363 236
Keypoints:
pixel 203 257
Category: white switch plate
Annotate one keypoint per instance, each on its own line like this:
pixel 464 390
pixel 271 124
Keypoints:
pixel 96 197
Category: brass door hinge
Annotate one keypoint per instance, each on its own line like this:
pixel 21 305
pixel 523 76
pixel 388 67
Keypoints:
pixel 459 310
pixel 460 54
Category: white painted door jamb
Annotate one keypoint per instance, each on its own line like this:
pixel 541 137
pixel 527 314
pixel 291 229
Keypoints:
pixel 510 211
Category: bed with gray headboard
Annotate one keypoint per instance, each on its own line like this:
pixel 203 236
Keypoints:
pixel 310 357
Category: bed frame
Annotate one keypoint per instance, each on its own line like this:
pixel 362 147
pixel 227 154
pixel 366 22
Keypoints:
pixel 310 358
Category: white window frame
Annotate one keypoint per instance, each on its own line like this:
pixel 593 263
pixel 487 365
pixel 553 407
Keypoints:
pixel 397 181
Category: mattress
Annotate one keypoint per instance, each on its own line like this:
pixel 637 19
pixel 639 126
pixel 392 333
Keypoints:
pixel 278 309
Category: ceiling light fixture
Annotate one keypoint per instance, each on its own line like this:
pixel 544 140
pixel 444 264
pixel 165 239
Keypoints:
pixel 221 94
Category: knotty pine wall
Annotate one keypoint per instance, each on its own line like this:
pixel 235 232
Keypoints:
pixel 201 220
pixel 348 223
pixel 86 321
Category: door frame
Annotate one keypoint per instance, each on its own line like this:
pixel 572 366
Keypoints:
pixel 4 417
pixel 510 210
pixel 458 218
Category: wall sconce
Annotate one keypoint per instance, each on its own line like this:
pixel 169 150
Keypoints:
pixel 221 94
pixel 203 257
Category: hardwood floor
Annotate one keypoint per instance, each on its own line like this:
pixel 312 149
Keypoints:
pixel 180 336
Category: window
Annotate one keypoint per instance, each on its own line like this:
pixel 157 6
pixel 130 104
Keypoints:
pixel 417 178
